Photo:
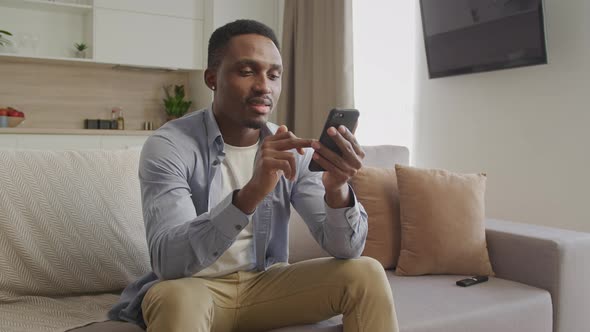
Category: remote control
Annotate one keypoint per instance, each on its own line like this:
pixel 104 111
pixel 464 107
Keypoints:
pixel 471 281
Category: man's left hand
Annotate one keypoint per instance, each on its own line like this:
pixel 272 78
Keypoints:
pixel 339 169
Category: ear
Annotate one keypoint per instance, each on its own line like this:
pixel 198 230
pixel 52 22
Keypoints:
pixel 210 77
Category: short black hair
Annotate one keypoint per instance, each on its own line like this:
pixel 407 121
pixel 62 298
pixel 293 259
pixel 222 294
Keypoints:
pixel 221 37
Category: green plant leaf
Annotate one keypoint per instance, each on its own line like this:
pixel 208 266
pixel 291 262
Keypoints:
pixel 175 105
pixel 5 32
pixel 81 46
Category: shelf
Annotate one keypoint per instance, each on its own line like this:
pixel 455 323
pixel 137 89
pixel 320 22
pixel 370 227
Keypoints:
pixel 95 132
pixel 46 5
pixel 17 57
pixel 26 58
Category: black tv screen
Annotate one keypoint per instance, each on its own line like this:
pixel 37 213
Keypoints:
pixel 469 36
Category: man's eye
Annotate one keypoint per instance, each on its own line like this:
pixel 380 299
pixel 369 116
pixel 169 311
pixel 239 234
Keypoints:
pixel 274 77
pixel 246 72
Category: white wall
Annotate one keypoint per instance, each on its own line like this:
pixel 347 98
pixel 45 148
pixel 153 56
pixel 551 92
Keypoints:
pixel 528 128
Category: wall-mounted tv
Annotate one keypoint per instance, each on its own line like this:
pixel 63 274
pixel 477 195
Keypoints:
pixel 469 36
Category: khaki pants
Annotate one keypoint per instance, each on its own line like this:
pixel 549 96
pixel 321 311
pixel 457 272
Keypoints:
pixel 284 295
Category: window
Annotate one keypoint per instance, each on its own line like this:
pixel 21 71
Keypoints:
pixel 384 37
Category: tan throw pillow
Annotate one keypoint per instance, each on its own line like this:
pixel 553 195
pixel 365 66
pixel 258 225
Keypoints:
pixel 442 223
pixel 376 189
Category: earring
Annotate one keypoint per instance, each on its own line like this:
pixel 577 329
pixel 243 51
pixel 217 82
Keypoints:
pixel 213 87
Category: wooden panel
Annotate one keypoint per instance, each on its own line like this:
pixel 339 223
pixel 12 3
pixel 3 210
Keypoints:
pixel 179 8
pixel 151 40
pixel 62 96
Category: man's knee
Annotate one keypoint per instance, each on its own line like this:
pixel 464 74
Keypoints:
pixel 367 276
pixel 177 296
pixel 364 269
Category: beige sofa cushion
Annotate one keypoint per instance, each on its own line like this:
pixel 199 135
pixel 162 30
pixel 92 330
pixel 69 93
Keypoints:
pixel 376 189
pixel 442 223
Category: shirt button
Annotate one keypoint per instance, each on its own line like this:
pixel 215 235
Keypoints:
pixel 216 254
pixel 238 227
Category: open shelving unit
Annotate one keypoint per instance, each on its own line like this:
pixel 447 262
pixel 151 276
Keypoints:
pixel 44 29
pixel 52 6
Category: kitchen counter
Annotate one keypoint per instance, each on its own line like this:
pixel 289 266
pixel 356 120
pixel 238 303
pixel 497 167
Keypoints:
pixel 95 132
pixel 68 139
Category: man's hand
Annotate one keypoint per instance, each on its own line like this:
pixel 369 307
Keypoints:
pixel 273 160
pixel 339 169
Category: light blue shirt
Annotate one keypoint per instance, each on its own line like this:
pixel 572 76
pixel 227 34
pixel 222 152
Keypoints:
pixel 189 224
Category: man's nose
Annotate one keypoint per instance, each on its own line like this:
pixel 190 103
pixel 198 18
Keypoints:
pixel 262 85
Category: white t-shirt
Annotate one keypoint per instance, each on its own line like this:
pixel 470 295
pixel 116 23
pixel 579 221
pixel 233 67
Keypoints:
pixel 236 169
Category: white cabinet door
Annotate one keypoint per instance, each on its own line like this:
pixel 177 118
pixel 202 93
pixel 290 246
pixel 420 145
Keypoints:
pixel 57 142
pixel 267 12
pixel 220 12
pixel 122 142
pixel 70 142
pixel 8 142
pixel 179 8
pixel 130 38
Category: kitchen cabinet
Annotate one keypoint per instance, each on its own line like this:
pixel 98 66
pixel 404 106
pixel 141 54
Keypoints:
pixel 147 33
pixel 134 38
pixel 220 12
pixel 44 29
pixel 192 9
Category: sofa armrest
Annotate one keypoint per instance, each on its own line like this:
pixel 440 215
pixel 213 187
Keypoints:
pixel 548 258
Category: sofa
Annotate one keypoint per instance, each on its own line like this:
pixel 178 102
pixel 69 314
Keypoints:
pixel 72 237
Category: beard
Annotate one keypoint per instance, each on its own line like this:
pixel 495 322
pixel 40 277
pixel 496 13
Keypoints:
pixel 255 124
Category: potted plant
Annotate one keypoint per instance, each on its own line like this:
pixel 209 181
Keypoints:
pixel 175 105
pixel 81 49
pixel 5 44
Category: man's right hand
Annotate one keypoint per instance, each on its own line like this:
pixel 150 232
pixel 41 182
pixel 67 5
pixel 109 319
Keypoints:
pixel 274 159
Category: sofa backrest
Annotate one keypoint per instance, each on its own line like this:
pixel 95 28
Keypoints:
pixel 70 222
pixel 302 245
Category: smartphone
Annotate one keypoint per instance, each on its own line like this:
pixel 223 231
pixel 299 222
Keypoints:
pixel 337 117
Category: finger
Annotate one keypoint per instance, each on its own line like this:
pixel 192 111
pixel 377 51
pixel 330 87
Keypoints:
pixel 282 129
pixel 333 158
pixel 352 139
pixel 329 167
pixel 273 165
pixel 283 155
pixel 290 143
pixel 348 152
pixel 282 132
pixel 286 141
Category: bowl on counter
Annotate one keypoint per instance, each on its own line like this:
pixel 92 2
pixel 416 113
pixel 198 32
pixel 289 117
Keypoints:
pixel 14 121
pixel 11 117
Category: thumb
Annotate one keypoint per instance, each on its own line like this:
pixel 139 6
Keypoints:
pixel 282 129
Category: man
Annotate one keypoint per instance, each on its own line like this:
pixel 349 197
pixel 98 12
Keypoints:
pixel 217 186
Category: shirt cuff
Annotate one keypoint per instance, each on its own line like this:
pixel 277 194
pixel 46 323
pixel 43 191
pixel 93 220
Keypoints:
pixel 344 217
pixel 228 219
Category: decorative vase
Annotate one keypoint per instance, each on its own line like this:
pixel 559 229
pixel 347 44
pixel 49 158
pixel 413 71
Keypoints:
pixel 81 54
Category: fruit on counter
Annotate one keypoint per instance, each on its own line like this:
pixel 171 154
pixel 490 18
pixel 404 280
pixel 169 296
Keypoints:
pixel 3 112
pixel 12 112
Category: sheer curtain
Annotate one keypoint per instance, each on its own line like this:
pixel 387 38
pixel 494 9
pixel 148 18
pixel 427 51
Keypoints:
pixel 384 39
